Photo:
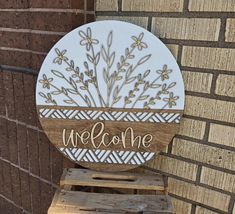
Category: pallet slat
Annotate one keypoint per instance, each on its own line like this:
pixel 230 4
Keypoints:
pixel 68 200
pixel 84 177
pixel 78 202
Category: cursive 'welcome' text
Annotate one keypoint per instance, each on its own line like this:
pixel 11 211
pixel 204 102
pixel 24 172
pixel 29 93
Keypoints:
pixel 97 137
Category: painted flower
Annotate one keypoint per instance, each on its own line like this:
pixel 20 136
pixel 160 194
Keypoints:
pixel 60 56
pixel 164 73
pixel 138 42
pixel 45 81
pixel 171 100
pixel 87 39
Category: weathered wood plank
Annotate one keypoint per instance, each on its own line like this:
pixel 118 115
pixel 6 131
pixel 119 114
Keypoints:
pixel 84 177
pixel 78 202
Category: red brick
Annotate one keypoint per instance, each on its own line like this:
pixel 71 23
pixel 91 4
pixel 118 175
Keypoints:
pixel 46 195
pixel 15 58
pixel 29 85
pixel 50 4
pixel 90 5
pixel 29 99
pixel 12 142
pixel 35 195
pixel 23 146
pixel 67 163
pixel 37 61
pixel 77 20
pixel 21 59
pixel 2 203
pixel 43 43
pixel 90 18
pixel 14 19
pixel 5 206
pixel 4 147
pixel 15 178
pixel 19 96
pixel 51 21
pixel 2 95
pixel 32 138
pixel 14 39
pixel 7 4
pixel 15 210
pixel 30 41
pixel 44 154
pixel 56 164
pixel 77 4
pixel 6 174
pixel 9 94
pixel 8 208
pixel 1 178
pixel 25 191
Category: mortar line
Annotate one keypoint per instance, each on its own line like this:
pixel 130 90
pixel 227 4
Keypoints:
pixel 13 203
pixel 29 173
pixel 197 203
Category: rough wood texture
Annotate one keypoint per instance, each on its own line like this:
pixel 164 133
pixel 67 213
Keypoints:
pixel 84 177
pixel 73 202
pixel 162 133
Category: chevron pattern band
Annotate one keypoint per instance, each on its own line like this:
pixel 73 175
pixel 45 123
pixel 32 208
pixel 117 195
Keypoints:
pixel 107 156
pixel 110 115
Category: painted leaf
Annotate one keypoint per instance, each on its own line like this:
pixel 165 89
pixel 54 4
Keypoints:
pixel 97 58
pixel 64 91
pixel 87 100
pixel 144 97
pixel 104 54
pixel 144 59
pixel 89 57
pixel 105 76
pixel 146 73
pixel 117 99
pixel 73 83
pixel 57 73
pixel 155 85
pixel 56 92
pixel 115 92
pixel 111 59
pixel 72 91
pixel 42 94
pixel 130 80
pixel 69 101
pixel 129 71
pixel 172 85
pixel 110 38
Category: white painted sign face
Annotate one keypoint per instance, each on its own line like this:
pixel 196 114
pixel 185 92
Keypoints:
pixel 107 94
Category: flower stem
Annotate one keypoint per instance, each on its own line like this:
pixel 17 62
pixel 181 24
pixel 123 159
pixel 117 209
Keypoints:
pixel 119 70
pixel 53 86
pixel 108 84
pixel 96 82
pixel 144 92
pixel 124 82
pixel 88 91
pixel 77 92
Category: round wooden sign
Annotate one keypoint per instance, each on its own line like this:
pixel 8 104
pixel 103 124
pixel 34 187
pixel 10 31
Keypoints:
pixel 110 95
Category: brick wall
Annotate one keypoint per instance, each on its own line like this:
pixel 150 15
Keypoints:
pixel 30 167
pixel 200 162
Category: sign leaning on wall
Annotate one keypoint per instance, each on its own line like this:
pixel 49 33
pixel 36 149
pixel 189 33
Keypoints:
pixel 110 95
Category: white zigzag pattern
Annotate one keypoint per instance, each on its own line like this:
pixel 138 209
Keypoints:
pixel 107 156
pixel 110 116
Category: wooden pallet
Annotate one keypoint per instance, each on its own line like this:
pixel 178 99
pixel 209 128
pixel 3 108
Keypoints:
pixel 72 198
